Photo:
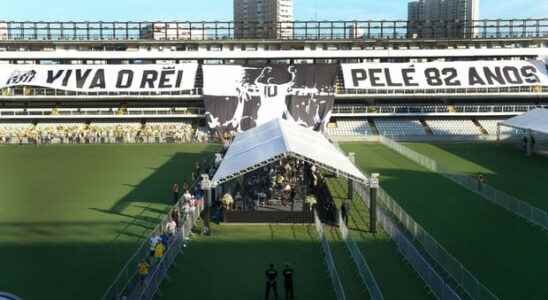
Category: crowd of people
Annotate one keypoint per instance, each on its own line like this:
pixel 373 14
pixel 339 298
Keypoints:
pixel 101 133
pixel 160 241
pixel 281 185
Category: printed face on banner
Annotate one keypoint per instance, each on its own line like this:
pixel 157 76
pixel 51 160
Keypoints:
pixel 438 75
pixel 239 98
pixel 101 78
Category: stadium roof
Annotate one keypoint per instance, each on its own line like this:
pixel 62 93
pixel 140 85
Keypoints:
pixel 277 139
pixel 535 120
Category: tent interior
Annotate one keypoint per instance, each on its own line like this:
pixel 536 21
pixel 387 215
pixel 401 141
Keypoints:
pixel 277 170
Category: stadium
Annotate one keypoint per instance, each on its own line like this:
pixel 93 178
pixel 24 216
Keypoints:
pixel 374 162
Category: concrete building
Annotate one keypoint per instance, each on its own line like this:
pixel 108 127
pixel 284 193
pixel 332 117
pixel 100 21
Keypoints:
pixel 442 18
pixel 263 19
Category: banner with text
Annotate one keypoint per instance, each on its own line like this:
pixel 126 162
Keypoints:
pixel 101 78
pixel 242 97
pixel 438 75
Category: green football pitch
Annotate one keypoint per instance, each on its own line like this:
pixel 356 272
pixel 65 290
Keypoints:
pixel 506 253
pixel 71 215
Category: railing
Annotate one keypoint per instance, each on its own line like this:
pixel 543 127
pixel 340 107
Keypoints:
pixel 448 91
pixel 441 289
pixel 366 275
pixel 125 282
pixel 434 109
pixel 298 30
pixel 516 206
pixel 49 92
pixel 413 256
pixel 63 112
pixel 152 283
pixel 329 260
pixel 24 92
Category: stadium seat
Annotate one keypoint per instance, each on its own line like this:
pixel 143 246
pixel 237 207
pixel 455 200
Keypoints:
pixel 400 127
pixel 453 127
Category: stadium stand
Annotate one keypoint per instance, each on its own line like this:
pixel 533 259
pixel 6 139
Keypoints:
pixel 491 126
pixel 101 133
pixel 351 128
pixel 453 127
pixel 400 127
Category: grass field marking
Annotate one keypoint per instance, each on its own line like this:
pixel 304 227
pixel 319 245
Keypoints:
pixel 512 204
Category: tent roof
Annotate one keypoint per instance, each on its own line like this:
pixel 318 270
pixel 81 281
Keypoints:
pixel 534 120
pixel 277 139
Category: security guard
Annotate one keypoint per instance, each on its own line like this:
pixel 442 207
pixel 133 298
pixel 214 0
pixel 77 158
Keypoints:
pixel 288 282
pixel 271 284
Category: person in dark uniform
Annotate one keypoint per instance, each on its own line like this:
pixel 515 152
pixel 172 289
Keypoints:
pixel 288 282
pixel 345 210
pixel 271 284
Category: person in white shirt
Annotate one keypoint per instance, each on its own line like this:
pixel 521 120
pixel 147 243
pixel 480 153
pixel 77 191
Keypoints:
pixel 171 227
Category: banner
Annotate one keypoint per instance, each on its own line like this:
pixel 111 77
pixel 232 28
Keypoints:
pixel 242 97
pixel 101 78
pixel 440 75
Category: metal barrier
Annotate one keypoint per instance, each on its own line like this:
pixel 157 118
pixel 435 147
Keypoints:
pixel 363 268
pixel 386 217
pixel 456 270
pixel 155 278
pixel 297 30
pixel 415 109
pixel 125 283
pixel 412 255
pixel 514 205
pixel 329 260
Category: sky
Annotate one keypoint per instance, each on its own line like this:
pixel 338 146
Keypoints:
pixel 211 10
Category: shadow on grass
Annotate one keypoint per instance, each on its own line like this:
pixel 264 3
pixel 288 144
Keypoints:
pixel 231 264
pixel 79 259
pixel 487 239
pixel 72 270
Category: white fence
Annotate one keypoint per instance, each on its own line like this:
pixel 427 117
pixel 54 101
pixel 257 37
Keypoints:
pixel 329 260
pixel 441 289
pixel 516 206
pixel 363 268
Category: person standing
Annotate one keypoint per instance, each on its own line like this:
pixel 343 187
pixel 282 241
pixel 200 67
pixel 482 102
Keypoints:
pixel 175 190
pixel 143 269
pixel 271 283
pixel 288 282
pixel 345 210
pixel 159 251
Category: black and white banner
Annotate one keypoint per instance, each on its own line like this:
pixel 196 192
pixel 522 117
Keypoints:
pixel 102 78
pixel 242 97
pixel 434 75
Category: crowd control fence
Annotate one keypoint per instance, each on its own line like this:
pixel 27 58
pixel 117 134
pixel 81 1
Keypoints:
pixel 516 206
pixel 366 275
pixel 329 260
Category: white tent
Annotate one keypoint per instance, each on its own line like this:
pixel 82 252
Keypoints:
pixel 277 139
pixel 535 120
